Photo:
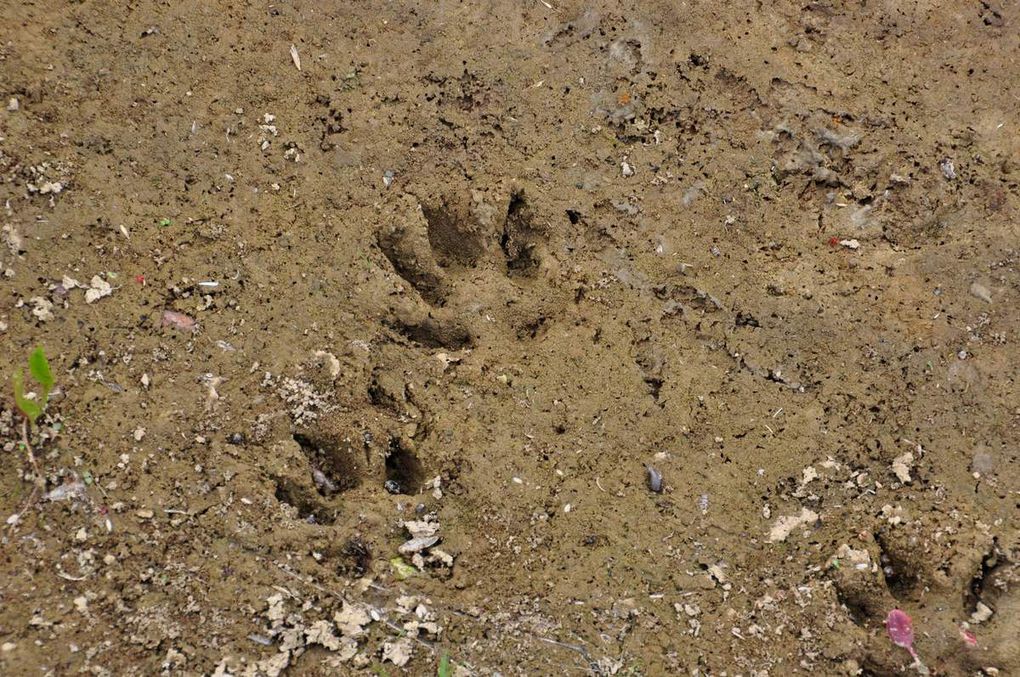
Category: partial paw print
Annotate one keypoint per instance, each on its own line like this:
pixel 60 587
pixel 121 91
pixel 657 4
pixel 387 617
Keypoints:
pixel 473 259
pixel 365 440
pixel 961 592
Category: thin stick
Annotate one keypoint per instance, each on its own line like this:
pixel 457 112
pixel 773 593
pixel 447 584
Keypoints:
pixel 38 482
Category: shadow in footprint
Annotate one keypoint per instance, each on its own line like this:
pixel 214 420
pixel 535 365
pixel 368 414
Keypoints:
pixel 432 333
pixel 404 469
pixel 519 236
pixel 454 234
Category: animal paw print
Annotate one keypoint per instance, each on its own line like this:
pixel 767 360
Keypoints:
pixel 467 254
pixel 963 594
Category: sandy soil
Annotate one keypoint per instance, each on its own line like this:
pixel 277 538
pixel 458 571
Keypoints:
pixel 368 319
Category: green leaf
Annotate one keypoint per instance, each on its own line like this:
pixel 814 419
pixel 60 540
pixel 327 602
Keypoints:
pixel 402 569
pixel 30 408
pixel 40 369
pixel 444 666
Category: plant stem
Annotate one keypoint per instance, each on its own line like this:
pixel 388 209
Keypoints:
pixel 38 481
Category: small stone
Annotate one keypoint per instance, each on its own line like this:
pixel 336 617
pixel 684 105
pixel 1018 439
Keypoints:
pixel 948 169
pixel 421 529
pixel 784 526
pixel 398 652
pixel 81 535
pixel 979 291
pixel 391 486
pixel 321 632
pixel 352 619
pixel 13 105
pixel 8 646
pixel 901 467
pixel 42 308
pixel 145 514
pixel 627 169
pixel 98 288
pixel 982 612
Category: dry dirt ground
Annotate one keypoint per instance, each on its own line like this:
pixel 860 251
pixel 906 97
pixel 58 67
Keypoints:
pixel 367 318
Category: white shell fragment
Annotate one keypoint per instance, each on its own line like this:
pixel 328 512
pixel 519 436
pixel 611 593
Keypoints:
pixel 416 545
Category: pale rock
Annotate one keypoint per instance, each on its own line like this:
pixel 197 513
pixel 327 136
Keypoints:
pixel 321 632
pixel 901 467
pixel 982 612
pixel 784 526
pixel 42 308
pixel 276 611
pixel 398 652
pixel 352 619
pixel 98 288
pixel 979 291
pixel 421 529
pixel 858 559
pixel 274 665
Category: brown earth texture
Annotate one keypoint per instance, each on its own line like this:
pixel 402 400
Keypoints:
pixel 520 337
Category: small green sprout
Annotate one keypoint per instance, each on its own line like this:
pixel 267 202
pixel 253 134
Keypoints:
pixel 39 368
pixel 444 666
pixel 166 222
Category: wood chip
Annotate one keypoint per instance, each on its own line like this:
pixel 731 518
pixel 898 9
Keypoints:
pixel 295 56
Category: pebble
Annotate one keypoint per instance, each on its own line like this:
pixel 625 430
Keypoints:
pixel 980 291
pixel 948 169
pixel 391 486
pixel 145 514
pixel 654 479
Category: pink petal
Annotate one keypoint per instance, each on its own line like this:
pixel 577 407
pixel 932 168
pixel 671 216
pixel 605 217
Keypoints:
pixel 900 628
pixel 968 637
pixel 172 318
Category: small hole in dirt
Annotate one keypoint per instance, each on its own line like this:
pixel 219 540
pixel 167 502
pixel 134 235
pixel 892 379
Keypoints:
pixel 517 240
pixel 307 507
pixel 404 468
pixel 899 572
pixel 356 558
pixel 574 216
pixel 334 466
